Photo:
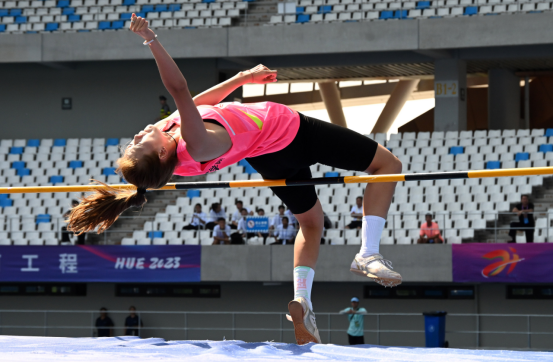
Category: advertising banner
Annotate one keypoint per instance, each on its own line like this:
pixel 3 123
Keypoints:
pixel 503 262
pixel 257 224
pixel 100 263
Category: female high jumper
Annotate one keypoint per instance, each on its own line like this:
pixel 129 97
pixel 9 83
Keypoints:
pixel 204 135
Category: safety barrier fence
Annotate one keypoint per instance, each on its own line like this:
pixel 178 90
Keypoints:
pixel 462 330
pixel 451 224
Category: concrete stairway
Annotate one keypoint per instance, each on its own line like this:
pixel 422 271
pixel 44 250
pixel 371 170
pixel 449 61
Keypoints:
pixel 542 197
pixel 134 218
pixel 258 13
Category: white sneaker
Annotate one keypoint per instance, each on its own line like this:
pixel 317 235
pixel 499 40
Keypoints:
pixel 376 268
pixel 305 327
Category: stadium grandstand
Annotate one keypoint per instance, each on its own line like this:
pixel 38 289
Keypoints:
pixel 445 85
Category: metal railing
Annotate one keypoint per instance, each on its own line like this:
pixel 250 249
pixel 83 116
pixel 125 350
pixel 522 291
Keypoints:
pixel 414 322
pixel 395 225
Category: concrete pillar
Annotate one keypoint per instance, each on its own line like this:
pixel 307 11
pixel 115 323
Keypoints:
pixel 450 87
pixel 331 98
pixel 399 96
pixel 503 100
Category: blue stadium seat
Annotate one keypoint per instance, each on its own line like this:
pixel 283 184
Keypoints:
pixel 56 179
pixel 6 203
pixel 155 234
pixel 325 9
pixel 68 11
pixel 192 193
pixel 2 28
pixel 4 197
pixel 250 170
pixel 20 19
pixel 174 7
pixel 400 14
pixel 18 164
pixel 493 165
pixel 50 27
pixel 387 14
pixel 549 132
pixel 119 24
pixel 16 150
pixel 31 32
pixel 455 150
pixel 208 1
pixel 332 174
pixel 74 17
pixel 109 171
pixel 60 142
pixel 161 7
pixel 300 9
pixel 112 142
pixel 104 25
pixel 303 18
pixel 23 172
pixel 63 3
pixel 43 218
pixel 15 12
pixel 521 156
pixel 75 164
pixel 125 16
pixel 129 2
pixel 33 142
pixel 147 8
pixel 545 148
pixel 243 162
pixel 471 10
pixel 423 4
pixel 4 12
pixel 83 31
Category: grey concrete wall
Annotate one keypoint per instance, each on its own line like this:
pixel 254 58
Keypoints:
pixel 257 297
pixel 375 36
pixel 504 100
pixel 110 99
pixel 275 263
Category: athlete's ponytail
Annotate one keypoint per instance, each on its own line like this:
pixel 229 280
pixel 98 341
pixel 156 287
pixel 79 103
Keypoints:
pixel 102 208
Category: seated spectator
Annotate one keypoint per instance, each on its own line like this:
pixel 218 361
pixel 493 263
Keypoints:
pixel 237 215
pixel 291 219
pixel 264 235
pixel 198 219
pixel 430 231
pixel 284 234
pixel 524 211
pixel 104 324
pixel 237 238
pixel 133 323
pixel 215 213
pixel 221 233
pixel 356 214
pixel 65 235
pixel 277 219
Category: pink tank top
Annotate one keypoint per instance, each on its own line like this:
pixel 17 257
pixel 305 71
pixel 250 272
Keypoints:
pixel 254 129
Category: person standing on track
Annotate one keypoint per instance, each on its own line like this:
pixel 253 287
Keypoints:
pixel 356 330
pixel 204 135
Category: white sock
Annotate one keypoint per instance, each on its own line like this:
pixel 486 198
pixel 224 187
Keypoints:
pixel 371 231
pixel 303 282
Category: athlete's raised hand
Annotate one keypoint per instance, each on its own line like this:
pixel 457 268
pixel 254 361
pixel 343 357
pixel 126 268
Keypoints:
pixel 139 26
pixel 261 75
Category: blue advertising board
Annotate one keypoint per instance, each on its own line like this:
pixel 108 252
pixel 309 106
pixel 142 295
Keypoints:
pixel 257 224
pixel 100 263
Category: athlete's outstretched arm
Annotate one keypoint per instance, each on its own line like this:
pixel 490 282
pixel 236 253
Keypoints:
pixel 196 136
pixel 215 95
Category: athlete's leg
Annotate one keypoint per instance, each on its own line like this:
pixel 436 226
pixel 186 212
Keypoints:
pixel 308 240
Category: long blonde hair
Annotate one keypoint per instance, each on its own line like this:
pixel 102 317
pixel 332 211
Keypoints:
pixel 102 208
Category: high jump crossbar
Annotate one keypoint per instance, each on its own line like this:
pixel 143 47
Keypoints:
pixel 494 173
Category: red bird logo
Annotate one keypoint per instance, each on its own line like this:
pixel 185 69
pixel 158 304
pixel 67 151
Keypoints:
pixel 505 259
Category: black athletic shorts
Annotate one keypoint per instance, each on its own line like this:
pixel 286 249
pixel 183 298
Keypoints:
pixel 316 142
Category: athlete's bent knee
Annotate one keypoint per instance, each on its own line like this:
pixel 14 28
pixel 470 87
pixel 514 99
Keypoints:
pixel 396 166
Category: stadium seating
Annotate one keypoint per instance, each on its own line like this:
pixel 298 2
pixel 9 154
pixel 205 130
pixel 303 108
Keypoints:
pixel 460 206
pixel 38 16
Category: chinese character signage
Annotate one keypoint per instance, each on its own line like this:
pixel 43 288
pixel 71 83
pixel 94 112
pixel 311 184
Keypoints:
pixel 100 263
pixel 257 224
pixel 503 262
